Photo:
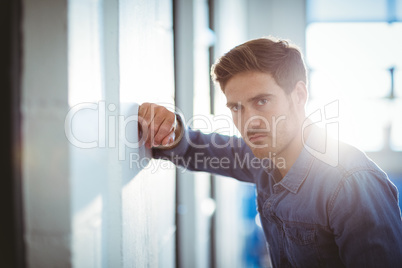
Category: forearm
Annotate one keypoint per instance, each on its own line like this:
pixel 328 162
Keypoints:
pixel 214 153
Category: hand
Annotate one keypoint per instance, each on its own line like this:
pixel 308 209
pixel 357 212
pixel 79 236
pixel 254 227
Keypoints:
pixel 159 125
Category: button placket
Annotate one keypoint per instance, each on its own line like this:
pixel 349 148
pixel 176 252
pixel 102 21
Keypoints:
pixel 278 188
pixel 267 209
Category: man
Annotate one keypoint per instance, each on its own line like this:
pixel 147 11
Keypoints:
pixel 322 203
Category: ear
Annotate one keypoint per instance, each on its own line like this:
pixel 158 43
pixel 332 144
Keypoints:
pixel 299 94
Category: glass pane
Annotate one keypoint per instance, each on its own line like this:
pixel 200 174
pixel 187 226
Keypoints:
pixel 395 39
pixel 398 10
pixel 396 130
pixel 349 45
pixel 398 82
pixel 351 83
pixel 85 83
pixel 346 10
pixel 361 123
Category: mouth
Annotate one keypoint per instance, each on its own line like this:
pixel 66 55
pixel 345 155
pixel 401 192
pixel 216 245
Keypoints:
pixel 256 136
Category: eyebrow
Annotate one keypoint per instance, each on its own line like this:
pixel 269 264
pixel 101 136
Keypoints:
pixel 257 97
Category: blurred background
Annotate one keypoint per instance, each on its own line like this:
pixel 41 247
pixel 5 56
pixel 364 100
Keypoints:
pixel 76 194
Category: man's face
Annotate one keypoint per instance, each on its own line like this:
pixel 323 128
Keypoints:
pixel 265 115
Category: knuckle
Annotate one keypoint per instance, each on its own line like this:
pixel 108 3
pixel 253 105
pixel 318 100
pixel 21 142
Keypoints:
pixel 144 106
pixel 156 122
pixel 154 105
pixel 158 139
pixel 151 129
pixel 164 129
pixel 170 119
pixel 160 109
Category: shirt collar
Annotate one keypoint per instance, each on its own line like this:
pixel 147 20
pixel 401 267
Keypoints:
pixel 301 168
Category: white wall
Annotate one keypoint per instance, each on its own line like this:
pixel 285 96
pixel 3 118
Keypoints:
pixel 84 205
pixel 146 68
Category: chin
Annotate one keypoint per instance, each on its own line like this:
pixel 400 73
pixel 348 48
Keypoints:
pixel 262 153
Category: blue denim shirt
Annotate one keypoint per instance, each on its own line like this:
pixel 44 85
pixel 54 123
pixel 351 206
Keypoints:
pixel 332 209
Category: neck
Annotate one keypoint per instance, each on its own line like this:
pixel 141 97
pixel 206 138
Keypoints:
pixel 291 152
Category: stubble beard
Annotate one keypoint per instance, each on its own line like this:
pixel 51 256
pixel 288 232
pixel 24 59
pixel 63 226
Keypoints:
pixel 263 149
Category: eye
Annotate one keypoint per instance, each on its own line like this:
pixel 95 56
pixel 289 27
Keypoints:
pixel 262 102
pixel 235 108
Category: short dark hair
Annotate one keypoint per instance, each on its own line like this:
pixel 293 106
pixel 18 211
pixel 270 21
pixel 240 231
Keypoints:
pixel 282 60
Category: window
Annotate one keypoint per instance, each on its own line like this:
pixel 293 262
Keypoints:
pixel 353 56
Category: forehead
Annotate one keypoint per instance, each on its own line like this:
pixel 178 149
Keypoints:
pixel 248 84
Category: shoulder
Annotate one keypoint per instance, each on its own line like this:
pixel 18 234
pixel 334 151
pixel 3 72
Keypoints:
pixel 360 179
pixel 354 163
pixel 337 164
pixel 333 156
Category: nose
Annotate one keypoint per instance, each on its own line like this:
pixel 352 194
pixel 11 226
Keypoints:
pixel 252 121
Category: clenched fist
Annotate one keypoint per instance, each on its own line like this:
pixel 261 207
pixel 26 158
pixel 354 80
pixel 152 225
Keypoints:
pixel 159 126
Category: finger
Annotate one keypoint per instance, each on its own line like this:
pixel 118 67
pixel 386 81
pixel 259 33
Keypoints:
pixel 142 130
pixel 164 130
pixel 153 128
pixel 157 121
pixel 162 124
pixel 169 139
pixel 144 120
pixel 149 112
pixel 143 111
